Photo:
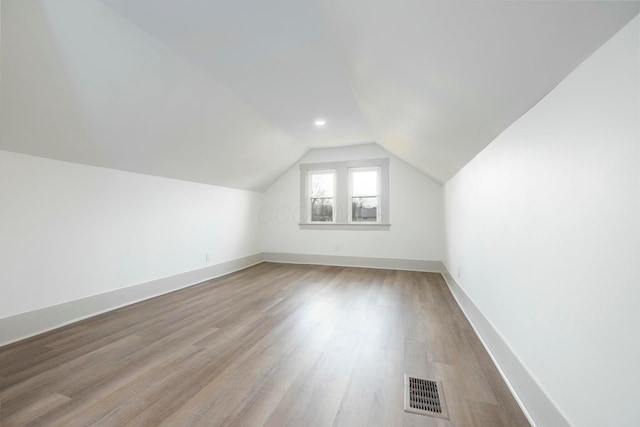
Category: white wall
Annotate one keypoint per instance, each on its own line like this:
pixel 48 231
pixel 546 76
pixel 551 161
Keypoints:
pixel 544 226
pixel 69 231
pixel 415 206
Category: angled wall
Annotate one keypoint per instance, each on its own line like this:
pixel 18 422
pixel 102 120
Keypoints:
pixel 543 244
pixel 82 84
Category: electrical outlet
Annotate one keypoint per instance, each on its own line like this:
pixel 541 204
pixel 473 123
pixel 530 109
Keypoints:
pixel 336 248
pixel 207 257
pixel 459 272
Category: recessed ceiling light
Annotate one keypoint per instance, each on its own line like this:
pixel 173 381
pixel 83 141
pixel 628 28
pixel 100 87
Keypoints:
pixel 320 122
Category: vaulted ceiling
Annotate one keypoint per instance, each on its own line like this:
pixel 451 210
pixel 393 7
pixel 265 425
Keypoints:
pixel 226 93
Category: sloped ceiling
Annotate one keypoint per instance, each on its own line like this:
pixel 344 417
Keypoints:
pixel 226 93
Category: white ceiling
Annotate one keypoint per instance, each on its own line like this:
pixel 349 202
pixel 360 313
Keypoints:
pixel 226 92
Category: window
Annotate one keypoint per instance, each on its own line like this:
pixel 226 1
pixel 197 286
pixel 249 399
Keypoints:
pixel 345 195
pixel 363 194
pixel 321 196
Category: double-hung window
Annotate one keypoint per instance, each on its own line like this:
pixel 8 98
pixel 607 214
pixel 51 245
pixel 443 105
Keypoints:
pixel 321 200
pixel 364 194
pixel 345 195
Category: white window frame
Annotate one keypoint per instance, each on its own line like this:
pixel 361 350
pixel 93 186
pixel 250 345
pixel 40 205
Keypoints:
pixel 376 195
pixel 342 200
pixel 308 192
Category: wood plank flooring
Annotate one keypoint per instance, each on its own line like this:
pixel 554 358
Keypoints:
pixel 273 345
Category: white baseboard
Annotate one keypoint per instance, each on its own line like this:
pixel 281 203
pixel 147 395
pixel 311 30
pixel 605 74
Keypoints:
pixel 353 261
pixel 24 325
pixel 533 400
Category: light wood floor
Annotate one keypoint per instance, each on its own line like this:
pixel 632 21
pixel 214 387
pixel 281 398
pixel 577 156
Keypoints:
pixel 275 344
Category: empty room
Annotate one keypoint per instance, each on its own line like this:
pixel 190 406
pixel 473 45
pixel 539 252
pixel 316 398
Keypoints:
pixel 319 213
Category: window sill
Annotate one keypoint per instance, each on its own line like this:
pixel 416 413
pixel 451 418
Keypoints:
pixel 338 226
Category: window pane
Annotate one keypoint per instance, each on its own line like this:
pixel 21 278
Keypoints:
pixel 364 209
pixel 365 183
pixel 322 184
pixel 321 210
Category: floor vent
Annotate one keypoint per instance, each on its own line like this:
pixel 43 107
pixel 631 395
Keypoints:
pixel 424 397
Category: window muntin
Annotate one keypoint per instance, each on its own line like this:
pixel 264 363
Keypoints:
pixel 321 196
pixel 364 195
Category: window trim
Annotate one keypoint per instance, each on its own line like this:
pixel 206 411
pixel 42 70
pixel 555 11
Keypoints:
pixel 341 195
